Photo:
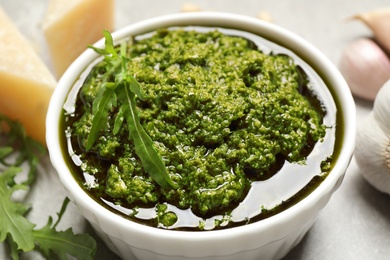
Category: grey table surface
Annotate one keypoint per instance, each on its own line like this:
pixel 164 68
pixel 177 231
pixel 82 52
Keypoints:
pixel 356 222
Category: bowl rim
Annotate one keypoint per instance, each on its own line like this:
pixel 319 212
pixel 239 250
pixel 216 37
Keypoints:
pixel 295 42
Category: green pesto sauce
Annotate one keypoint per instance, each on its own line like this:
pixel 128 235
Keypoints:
pixel 226 117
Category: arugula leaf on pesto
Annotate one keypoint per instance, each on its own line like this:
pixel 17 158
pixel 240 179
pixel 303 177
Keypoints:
pixel 124 88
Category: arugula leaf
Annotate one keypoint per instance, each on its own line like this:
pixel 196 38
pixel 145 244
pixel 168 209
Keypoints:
pixel 125 89
pixel 101 108
pixel 120 117
pixel 109 46
pixel 60 244
pixel 15 229
pixel 149 157
pixel 5 151
pixel 29 150
pixel 12 220
pixel 64 243
pixel 14 252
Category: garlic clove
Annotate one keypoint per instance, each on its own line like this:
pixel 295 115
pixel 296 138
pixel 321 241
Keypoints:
pixel 381 109
pixel 372 154
pixel 379 23
pixel 365 67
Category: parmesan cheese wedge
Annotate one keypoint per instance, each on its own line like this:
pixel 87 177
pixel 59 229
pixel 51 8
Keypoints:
pixel 26 84
pixel 70 26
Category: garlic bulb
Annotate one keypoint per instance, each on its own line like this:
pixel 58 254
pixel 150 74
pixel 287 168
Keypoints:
pixel 365 67
pixel 372 151
pixel 190 7
pixel 379 23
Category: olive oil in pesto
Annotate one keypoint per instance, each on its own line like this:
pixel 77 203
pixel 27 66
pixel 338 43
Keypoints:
pixel 239 122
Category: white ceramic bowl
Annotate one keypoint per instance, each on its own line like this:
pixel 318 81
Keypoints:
pixel 271 238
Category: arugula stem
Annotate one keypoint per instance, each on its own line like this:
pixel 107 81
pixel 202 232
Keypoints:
pixel 62 211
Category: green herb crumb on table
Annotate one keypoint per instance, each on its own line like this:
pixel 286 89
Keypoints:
pixel 17 151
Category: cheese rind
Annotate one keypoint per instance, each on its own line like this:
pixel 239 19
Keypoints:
pixel 26 83
pixel 71 25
